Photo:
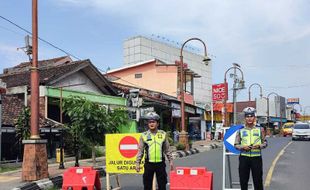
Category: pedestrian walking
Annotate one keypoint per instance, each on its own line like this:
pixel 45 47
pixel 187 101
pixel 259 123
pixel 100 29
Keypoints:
pixel 176 136
pixel 213 129
pixel 154 144
pixel 250 140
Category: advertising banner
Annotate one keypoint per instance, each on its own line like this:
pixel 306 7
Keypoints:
pixel 293 101
pixel 176 110
pixel 219 92
pixel 121 153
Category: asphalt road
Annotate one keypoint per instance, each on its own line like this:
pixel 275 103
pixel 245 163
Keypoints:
pixel 292 170
pixel 212 160
pixel 275 145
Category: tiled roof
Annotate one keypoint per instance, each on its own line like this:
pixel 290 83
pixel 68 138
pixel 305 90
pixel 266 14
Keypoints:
pixel 46 74
pixel 52 70
pixel 42 63
pixel 145 93
pixel 12 107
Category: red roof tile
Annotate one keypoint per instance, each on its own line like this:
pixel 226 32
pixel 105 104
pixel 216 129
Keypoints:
pixel 11 108
pixel 46 74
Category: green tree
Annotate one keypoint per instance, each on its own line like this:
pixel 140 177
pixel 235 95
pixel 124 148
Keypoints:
pixel 22 125
pixel 89 121
pixel 117 117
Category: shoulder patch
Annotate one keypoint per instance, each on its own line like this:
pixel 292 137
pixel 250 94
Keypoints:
pixel 244 133
pixel 144 133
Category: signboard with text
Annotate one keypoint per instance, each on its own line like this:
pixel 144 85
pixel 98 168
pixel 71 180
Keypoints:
pixel 176 110
pixel 121 153
pixel 293 101
pixel 219 92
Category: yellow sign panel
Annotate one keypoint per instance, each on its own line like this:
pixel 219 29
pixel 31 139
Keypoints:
pixel 121 153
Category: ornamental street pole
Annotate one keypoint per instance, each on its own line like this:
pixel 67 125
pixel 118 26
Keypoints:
pixel 183 138
pixel 2 91
pixel 235 88
pixel 35 156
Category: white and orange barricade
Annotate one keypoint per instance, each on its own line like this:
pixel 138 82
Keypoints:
pixel 190 178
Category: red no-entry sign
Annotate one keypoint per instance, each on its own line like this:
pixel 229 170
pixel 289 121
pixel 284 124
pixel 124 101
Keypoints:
pixel 128 147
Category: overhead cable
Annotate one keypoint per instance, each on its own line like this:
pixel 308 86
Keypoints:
pixel 28 32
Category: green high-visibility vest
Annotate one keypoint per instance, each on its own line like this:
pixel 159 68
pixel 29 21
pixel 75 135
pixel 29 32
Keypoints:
pixel 154 146
pixel 251 137
pixel 213 128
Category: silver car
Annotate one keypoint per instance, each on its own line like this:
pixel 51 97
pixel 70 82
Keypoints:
pixel 301 131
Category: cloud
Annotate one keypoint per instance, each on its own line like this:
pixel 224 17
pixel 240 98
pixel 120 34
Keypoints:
pixel 230 23
pixel 286 37
pixel 11 56
pixel 268 38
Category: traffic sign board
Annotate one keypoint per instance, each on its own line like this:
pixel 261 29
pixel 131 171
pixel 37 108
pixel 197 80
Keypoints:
pixel 128 147
pixel 230 137
pixel 121 152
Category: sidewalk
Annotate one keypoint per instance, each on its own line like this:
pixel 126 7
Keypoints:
pixel 12 179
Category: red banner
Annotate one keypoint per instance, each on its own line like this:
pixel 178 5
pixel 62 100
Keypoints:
pixel 219 106
pixel 219 92
pixel 2 90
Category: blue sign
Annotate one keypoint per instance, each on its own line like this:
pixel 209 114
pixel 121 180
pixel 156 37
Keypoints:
pixel 229 138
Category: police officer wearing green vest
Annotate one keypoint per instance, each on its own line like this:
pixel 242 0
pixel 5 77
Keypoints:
pixel 213 129
pixel 154 143
pixel 250 140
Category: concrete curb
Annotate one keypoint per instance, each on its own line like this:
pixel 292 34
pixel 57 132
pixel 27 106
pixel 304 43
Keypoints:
pixel 52 182
pixel 42 184
pixel 180 154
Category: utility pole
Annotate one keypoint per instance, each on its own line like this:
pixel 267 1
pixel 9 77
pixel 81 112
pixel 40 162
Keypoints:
pixel 2 91
pixel 0 128
pixel 61 162
pixel 35 156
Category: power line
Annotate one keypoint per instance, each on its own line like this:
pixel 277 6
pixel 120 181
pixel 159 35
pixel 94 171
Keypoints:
pixel 293 66
pixel 25 30
pixel 293 86
pixel 7 29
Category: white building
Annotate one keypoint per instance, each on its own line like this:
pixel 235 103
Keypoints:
pixel 138 49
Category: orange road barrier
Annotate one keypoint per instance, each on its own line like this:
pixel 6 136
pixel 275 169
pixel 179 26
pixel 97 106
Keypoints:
pixel 80 178
pixel 190 178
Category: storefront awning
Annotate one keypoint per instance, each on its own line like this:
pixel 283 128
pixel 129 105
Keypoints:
pixel 99 98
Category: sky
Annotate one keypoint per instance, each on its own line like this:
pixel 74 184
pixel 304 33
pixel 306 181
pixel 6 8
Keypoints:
pixel 269 39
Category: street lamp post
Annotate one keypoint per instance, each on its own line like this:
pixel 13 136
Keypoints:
pixel 304 115
pixel 260 87
pixel 300 109
pixel 268 114
pixel 235 67
pixel 183 137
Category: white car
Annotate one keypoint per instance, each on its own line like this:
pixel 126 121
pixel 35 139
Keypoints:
pixel 301 131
